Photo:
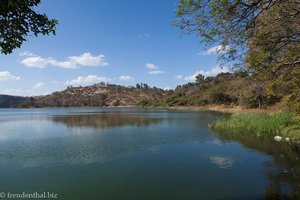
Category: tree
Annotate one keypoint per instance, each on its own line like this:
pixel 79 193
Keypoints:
pixel 18 19
pixel 199 78
pixel 261 36
pixel 144 86
pixel 259 95
pixel 233 23
pixel 273 54
pixel 275 45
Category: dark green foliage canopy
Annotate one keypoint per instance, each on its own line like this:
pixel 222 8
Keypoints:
pixel 18 19
pixel 234 23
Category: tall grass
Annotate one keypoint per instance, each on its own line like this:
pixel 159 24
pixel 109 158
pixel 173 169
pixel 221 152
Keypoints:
pixel 260 124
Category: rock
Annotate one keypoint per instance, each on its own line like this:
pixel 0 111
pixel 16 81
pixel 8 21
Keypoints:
pixel 278 138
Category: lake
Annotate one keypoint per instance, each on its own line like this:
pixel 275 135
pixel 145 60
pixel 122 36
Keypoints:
pixel 131 153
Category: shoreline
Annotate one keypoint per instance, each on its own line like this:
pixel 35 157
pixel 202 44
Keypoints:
pixel 211 107
pixel 227 109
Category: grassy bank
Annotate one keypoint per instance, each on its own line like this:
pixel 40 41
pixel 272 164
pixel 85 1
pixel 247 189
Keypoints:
pixel 260 124
pixel 225 108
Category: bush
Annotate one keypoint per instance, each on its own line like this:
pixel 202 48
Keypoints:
pixel 116 103
pixel 248 102
pixel 293 100
pixel 292 132
pixel 219 97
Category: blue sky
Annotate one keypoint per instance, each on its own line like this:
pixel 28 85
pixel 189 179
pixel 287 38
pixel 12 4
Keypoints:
pixel 120 42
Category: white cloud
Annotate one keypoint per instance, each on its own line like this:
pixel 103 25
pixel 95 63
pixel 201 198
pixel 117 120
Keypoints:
pixel 23 92
pixel 156 72
pixel 26 54
pixel 5 75
pixel 178 77
pixel 151 66
pixel 212 72
pixel 126 78
pixel 38 85
pixel 13 92
pixel 215 50
pixel 221 161
pixel 72 62
pixel 153 69
pixel 219 69
pixel 167 88
pixel 87 59
pixel 68 64
pixel 36 61
pixel 193 76
pixel 90 79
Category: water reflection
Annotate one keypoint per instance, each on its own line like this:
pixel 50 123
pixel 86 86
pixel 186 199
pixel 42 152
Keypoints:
pixel 283 171
pixel 118 155
pixel 223 162
pixel 104 120
pixel 90 138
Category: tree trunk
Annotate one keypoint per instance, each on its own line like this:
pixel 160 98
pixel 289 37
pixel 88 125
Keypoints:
pixel 259 98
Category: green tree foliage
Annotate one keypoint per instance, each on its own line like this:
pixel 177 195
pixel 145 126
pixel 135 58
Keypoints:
pixel 18 19
pixel 237 89
pixel 233 23
pixel 199 78
pixel 263 37
pixel 142 86
pixel 275 45
pixel 274 52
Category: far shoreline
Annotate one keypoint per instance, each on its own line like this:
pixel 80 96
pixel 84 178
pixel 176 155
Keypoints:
pixel 225 108
pixel 211 107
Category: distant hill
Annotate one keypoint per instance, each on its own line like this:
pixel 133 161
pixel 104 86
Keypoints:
pixel 101 94
pixel 7 101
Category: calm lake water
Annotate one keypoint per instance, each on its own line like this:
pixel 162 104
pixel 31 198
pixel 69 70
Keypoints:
pixel 120 154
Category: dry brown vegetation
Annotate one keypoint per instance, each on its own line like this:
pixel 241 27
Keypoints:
pixel 101 94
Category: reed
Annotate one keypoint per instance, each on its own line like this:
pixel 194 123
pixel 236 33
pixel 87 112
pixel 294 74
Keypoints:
pixel 260 124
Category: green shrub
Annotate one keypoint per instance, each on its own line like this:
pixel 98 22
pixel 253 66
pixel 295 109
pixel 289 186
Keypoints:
pixel 292 132
pixel 293 100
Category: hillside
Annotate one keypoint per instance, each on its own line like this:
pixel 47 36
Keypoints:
pixel 96 95
pixel 233 89
pixel 7 101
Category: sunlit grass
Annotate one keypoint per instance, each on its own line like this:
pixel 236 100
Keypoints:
pixel 260 124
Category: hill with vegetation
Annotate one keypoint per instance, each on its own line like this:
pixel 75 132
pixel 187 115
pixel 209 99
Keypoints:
pixel 7 101
pixel 100 94
pixel 233 89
